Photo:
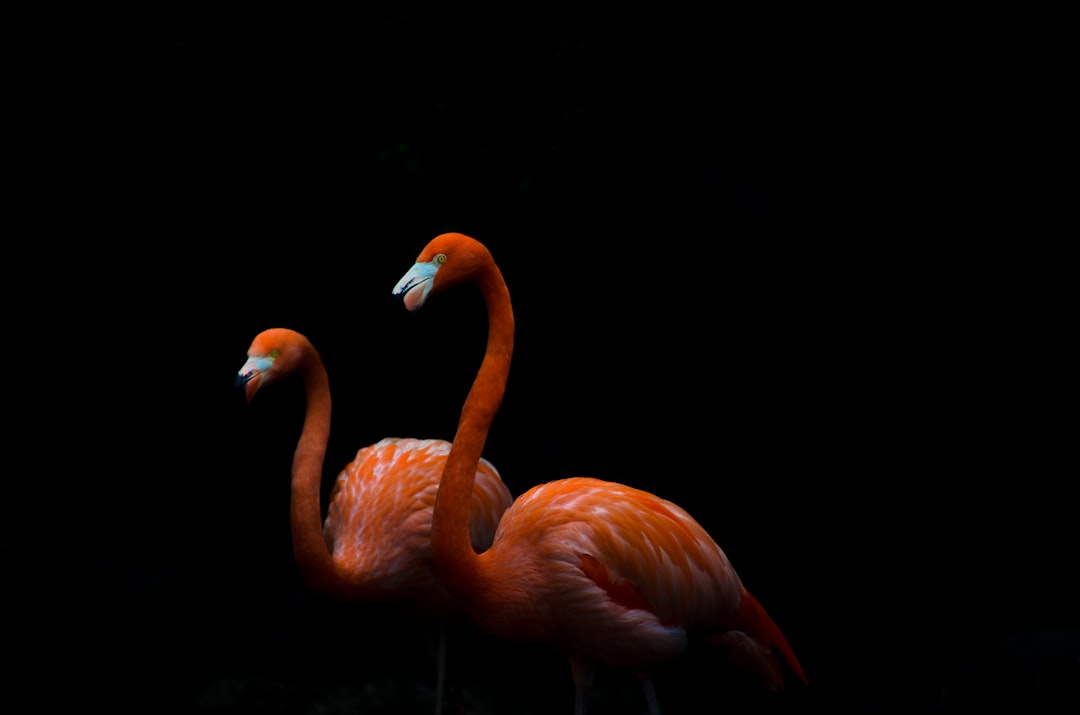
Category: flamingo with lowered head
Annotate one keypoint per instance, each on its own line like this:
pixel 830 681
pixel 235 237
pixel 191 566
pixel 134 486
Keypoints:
pixel 374 545
pixel 609 574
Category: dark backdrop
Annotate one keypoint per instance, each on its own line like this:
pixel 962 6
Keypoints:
pixel 745 273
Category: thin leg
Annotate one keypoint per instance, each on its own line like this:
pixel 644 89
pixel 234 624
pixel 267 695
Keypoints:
pixel 440 665
pixel 584 672
pixel 650 696
pixel 581 699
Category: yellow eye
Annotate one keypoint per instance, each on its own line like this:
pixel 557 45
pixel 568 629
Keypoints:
pixel 274 353
pixel 440 258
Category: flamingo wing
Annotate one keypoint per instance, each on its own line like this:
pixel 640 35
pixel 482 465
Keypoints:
pixel 645 551
pixel 603 557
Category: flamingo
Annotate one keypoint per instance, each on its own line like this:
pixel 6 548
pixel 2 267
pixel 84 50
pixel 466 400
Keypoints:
pixel 375 544
pixel 609 574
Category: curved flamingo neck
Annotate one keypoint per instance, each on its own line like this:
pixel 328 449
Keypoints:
pixel 305 512
pixel 452 550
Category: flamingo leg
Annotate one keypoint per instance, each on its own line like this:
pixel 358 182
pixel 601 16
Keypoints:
pixel 440 664
pixel 650 696
pixel 584 673
pixel 437 650
pixel 581 697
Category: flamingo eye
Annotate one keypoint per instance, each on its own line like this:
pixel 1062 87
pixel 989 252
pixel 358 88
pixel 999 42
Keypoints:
pixel 274 353
pixel 439 259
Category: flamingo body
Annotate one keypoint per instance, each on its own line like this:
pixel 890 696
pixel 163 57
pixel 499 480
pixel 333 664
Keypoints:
pixel 378 522
pixel 610 574
pixel 589 556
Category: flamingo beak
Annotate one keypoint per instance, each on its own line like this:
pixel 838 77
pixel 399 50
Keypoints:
pixel 250 376
pixel 415 286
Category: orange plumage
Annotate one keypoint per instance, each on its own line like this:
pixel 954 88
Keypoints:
pixel 375 544
pixel 378 523
pixel 610 574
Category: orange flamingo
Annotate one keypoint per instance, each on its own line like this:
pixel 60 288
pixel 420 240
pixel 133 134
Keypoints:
pixel 610 574
pixel 375 543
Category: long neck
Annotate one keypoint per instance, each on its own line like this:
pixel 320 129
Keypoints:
pixel 451 547
pixel 309 546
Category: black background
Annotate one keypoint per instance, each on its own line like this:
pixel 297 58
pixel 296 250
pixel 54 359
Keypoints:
pixel 760 263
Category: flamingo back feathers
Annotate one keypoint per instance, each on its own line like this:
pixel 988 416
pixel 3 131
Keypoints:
pixel 641 550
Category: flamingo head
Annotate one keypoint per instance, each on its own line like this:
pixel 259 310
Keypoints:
pixel 449 259
pixel 273 354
